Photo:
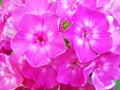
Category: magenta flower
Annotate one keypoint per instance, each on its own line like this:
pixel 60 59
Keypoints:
pixel 114 9
pixel 66 8
pixel 44 76
pixel 59 44
pixel 9 6
pixel 38 39
pixel 70 69
pixel 89 34
pixel 106 71
pixel 23 67
pixel 9 77
pixel 37 7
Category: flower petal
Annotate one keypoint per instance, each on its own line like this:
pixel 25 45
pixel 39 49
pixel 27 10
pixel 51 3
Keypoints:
pixel 20 43
pixel 37 56
pixel 55 45
pixel 30 23
pixel 37 6
pixel 47 77
pixel 83 50
pixel 51 24
pixel 101 43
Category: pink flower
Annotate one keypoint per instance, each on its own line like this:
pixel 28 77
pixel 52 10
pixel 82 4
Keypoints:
pixel 44 76
pixel 9 6
pixel 9 77
pixel 106 71
pixel 66 8
pixel 115 10
pixel 70 69
pixel 38 39
pixel 37 7
pixel 23 67
pixel 89 34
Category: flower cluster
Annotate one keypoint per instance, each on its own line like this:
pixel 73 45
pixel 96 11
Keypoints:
pixel 59 44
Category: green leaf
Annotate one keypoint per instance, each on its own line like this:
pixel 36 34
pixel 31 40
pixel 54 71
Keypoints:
pixel 117 85
pixel 66 24
pixel 0 2
pixel 67 43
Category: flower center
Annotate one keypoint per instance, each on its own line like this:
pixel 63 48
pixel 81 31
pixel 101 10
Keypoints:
pixel 40 39
pixel 75 64
pixel 85 34
pixel 73 6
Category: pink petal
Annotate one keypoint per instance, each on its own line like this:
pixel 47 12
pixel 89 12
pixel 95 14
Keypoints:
pixel 88 70
pixel 90 4
pixel 104 80
pixel 83 50
pixel 99 22
pixel 20 43
pixel 97 83
pixel 101 43
pixel 64 8
pixel 55 46
pixel 37 56
pixel 53 6
pixel 19 13
pixel 37 6
pixel 30 23
pixel 29 72
pixel 64 74
pixel 9 77
pixel 82 16
pixel 77 77
pixel 47 77
pixel 51 24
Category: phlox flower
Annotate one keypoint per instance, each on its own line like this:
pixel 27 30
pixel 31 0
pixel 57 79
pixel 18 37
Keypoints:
pixel 38 39
pixel 106 71
pixel 70 69
pixel 37 7
pixel 6 9
pixel 59 44
pixel 44 76
pixel 66 8
pixel 89 34
pixel 114 9
pixel 8 6
pixel 23 67
pixel 9 77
